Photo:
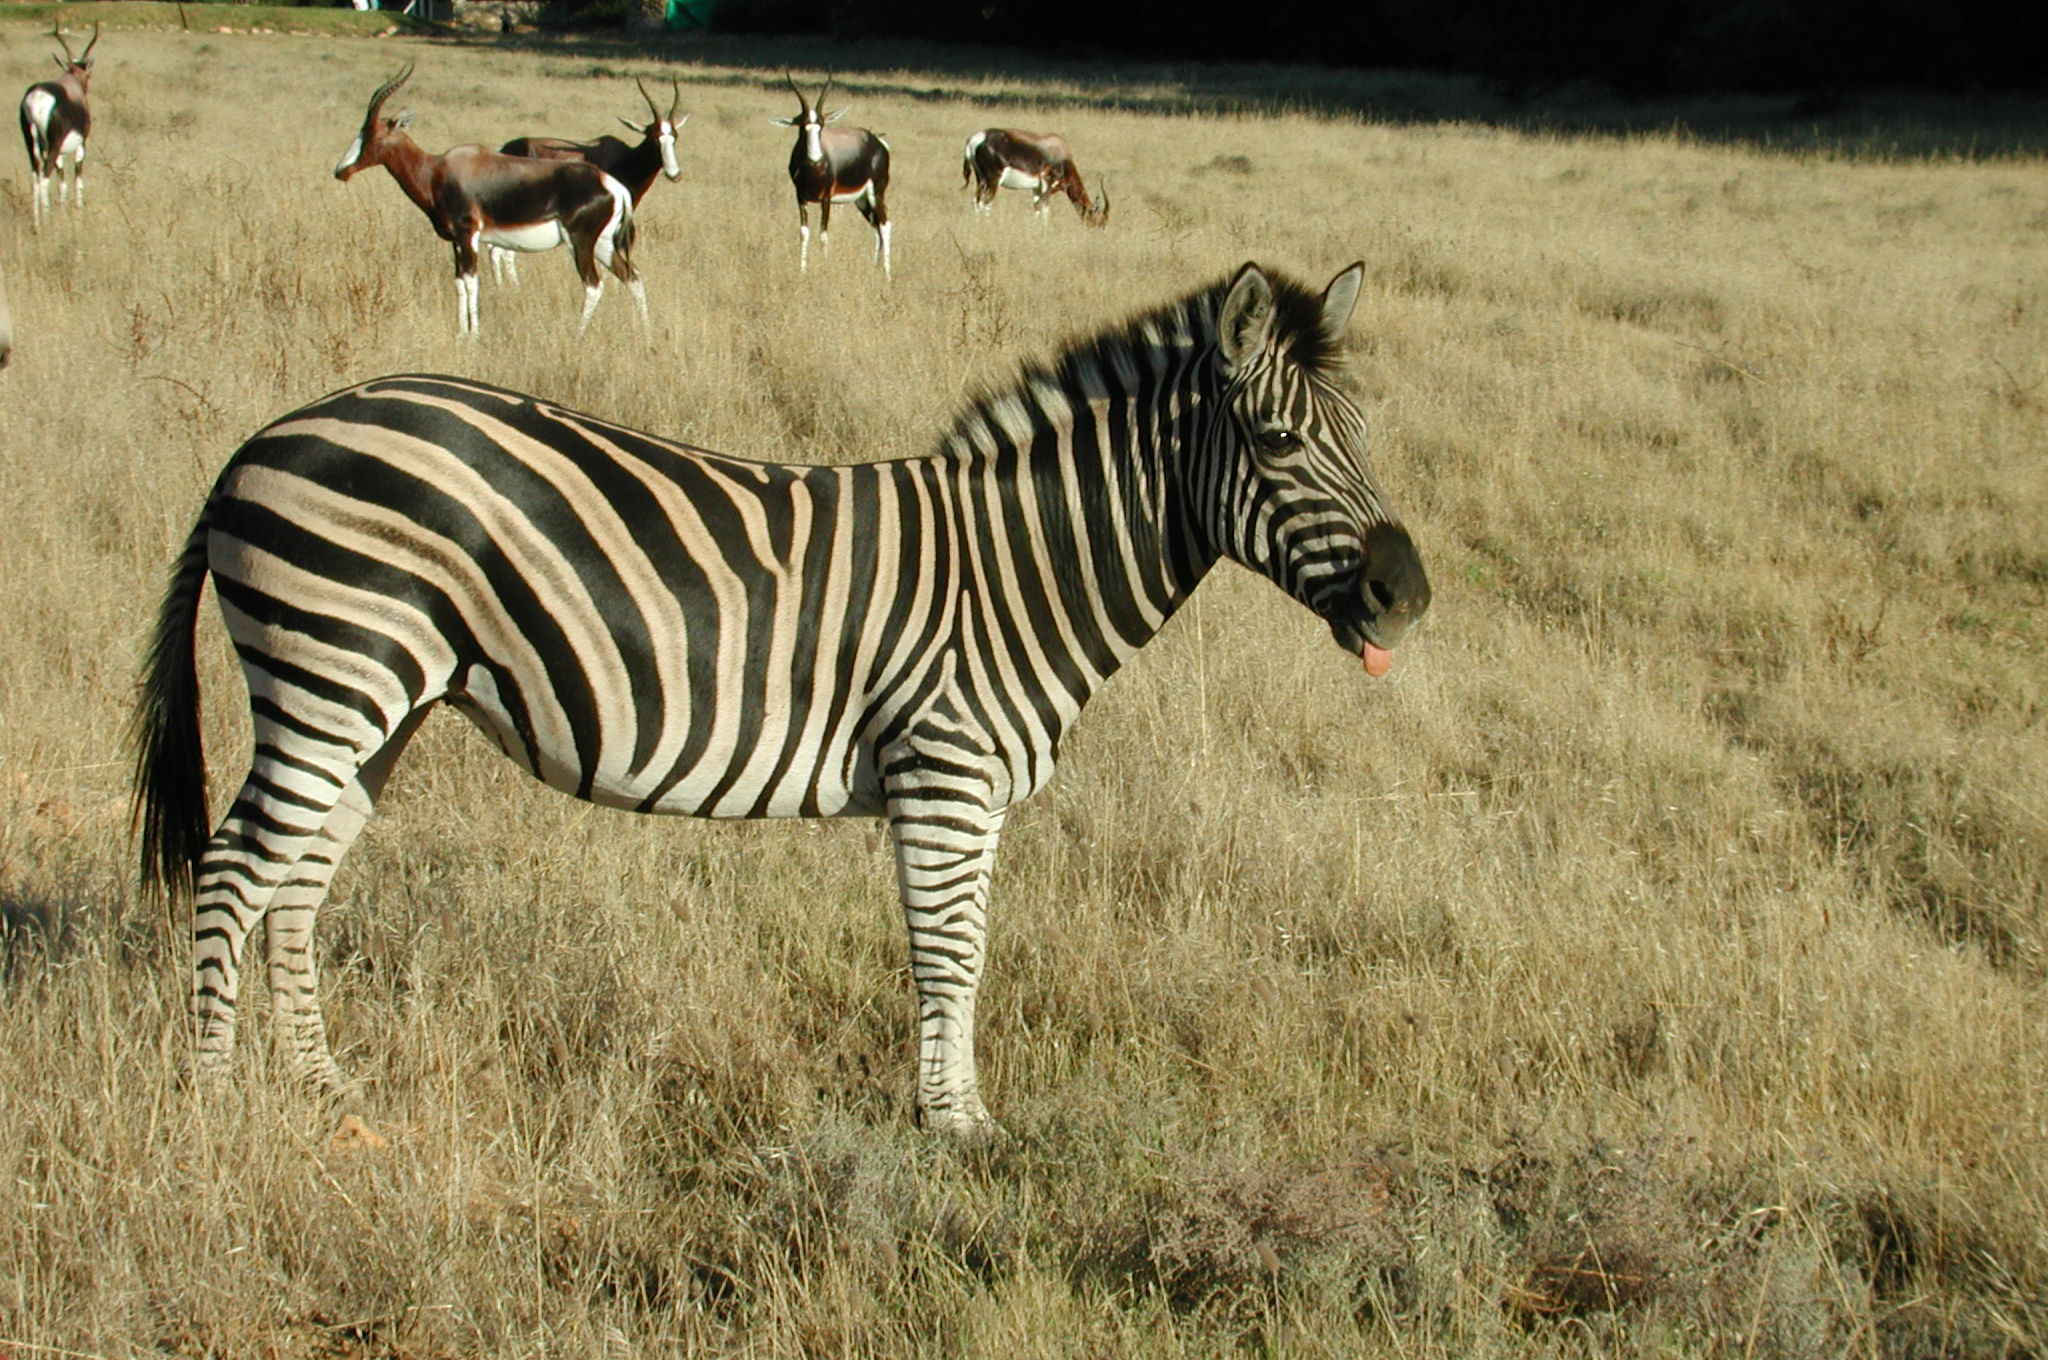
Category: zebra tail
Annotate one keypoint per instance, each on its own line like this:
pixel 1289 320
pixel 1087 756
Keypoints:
pixel 170 813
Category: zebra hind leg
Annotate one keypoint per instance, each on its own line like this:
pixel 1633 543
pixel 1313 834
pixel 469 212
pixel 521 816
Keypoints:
pixel 299 1030
pixel 301 805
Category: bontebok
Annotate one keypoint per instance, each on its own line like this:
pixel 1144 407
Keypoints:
pixel 634 166
pixel 654 627
pixel 476 197
pixel 835 165
pixel 55 122
pixel 1009 158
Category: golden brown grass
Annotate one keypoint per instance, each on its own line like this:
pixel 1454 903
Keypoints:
pixel 1653 964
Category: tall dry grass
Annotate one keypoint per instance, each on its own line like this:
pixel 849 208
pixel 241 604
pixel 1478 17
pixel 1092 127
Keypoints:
pixel 1653 964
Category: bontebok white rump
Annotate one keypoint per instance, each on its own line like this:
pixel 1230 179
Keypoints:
pixel 660 628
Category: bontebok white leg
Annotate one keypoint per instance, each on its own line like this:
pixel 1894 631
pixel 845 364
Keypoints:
pixel 466 316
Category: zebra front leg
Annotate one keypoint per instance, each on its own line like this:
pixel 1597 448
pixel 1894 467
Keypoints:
pixel 944 849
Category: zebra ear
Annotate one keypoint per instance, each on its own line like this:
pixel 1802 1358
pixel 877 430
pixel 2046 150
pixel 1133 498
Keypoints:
pixel 1339 299
pixel 1245 321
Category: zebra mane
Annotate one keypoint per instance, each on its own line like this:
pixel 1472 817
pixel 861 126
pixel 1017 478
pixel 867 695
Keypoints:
pixel 1188 323
pixel 1191 320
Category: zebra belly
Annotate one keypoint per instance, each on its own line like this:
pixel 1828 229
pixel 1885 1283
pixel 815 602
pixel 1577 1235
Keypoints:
pixel 775 775
pixel 535 237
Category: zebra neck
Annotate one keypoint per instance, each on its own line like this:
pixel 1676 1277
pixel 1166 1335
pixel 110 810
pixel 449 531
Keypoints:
pixel 1086 481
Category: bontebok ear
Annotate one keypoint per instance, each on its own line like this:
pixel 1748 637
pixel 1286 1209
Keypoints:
pixel 402 121
pixel 1246 319
pixel 785 122
pixel 1339 299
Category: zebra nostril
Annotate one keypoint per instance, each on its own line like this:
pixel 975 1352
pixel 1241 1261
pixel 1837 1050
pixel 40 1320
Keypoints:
pixel 1394 579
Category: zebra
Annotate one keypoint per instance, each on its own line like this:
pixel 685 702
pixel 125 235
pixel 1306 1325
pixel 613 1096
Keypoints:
pixel 653 626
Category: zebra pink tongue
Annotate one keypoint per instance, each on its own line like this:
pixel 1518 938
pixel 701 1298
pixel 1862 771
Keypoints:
pixel 1378 661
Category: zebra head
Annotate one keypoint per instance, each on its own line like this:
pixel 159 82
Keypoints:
pixel 1293 495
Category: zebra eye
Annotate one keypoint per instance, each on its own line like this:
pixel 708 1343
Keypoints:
pixel 1279 440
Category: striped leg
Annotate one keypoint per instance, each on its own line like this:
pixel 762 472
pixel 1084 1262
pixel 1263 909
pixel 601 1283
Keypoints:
pixel 303 802
pixel 945 837
pixel 255 853
pixel 299 1031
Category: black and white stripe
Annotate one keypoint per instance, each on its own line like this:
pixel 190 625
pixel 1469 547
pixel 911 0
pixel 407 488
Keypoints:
pixel 660 628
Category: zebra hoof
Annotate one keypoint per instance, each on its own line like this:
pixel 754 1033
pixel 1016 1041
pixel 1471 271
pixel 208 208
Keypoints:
pixel 964 1128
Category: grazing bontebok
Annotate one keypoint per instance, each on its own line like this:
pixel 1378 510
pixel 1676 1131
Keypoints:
pixel 475 197
pixel 1005 158
pixel 835 165
pixel 634 165
pixel 663 629
pixel 55 121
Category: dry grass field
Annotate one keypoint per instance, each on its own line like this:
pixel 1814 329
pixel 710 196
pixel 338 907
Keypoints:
pixel 1653 964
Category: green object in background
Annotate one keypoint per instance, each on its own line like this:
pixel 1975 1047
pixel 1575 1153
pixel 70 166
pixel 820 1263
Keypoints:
pixel 688 13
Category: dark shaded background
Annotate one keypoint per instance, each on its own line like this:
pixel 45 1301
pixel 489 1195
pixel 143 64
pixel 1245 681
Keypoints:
pixel 1645 48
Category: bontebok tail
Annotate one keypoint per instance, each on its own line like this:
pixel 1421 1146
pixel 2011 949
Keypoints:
pixel 170 756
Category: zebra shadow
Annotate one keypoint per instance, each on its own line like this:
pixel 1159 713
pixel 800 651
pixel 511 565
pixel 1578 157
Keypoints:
pixel 46 930
pixel 35 931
